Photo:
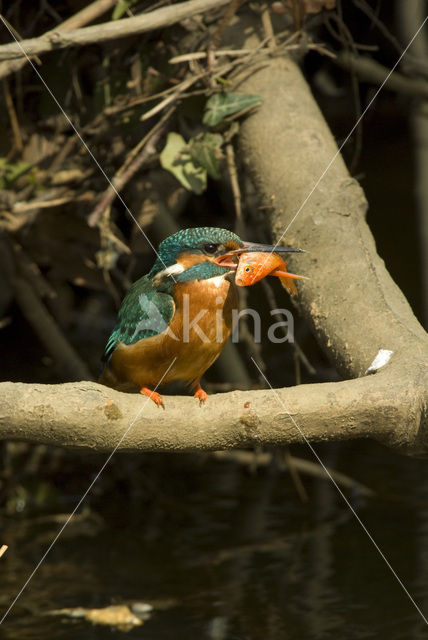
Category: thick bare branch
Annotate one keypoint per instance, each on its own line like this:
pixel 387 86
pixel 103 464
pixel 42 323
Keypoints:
pixel 57 39
pixel 88 415
pixel 351 300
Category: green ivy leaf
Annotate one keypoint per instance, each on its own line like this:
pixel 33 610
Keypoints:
pixel 205 151
pixel 176 159
pixel 221 105
pixel 122 7
pixel 11 172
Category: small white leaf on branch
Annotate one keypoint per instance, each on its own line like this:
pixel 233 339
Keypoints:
pixel 382 358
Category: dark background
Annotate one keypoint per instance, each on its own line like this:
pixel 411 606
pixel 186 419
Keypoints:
pixel 221 550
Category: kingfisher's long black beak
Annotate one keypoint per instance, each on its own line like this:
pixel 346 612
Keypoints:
pixel 231 258
pixel 266 248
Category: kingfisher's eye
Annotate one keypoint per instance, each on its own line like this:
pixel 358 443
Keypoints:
pixel 210 247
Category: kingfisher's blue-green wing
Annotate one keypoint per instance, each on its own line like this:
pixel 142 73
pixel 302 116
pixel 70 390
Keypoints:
pixel 145 312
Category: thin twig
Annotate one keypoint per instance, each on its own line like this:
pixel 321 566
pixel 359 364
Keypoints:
pixel 31 272
pixel 136 158
pixel 81 18
pixel 174 92
pixel 28 298
pixel 228 15
pixel 297 367
pixel 87 14
pixel 23 207
pixel 49 333
pixel 17 36
pixel 295 476
pixel 201 55
pixel 367 9
pixel 57 39
pixel 274 305
pixel 245 334
pixel 308 467
pixel 268 29
pixel 12 117
pixel 234 183
pixel 171 98
pixel 246 56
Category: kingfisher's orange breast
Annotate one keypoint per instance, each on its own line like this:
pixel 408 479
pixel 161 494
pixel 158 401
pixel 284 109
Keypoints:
pixel 198 331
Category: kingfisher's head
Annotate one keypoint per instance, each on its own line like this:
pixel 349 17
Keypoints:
pixel 201 253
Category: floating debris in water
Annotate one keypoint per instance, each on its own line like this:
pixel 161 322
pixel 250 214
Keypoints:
pixel 119 616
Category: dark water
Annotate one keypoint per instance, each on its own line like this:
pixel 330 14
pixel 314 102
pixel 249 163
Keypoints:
pixel 225 553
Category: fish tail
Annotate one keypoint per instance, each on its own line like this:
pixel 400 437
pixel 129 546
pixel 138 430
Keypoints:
pixel 288 284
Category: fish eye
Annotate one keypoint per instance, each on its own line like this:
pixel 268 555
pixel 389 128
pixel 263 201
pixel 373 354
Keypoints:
pixel 247 269
pixel 210 247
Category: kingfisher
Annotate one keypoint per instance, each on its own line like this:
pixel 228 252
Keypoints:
pixel 175 321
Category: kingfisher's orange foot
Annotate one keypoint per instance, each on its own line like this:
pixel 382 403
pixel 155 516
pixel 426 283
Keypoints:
pixel 200 394
pixel 156 397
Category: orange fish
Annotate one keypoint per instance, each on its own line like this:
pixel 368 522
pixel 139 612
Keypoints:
pixel 255 266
